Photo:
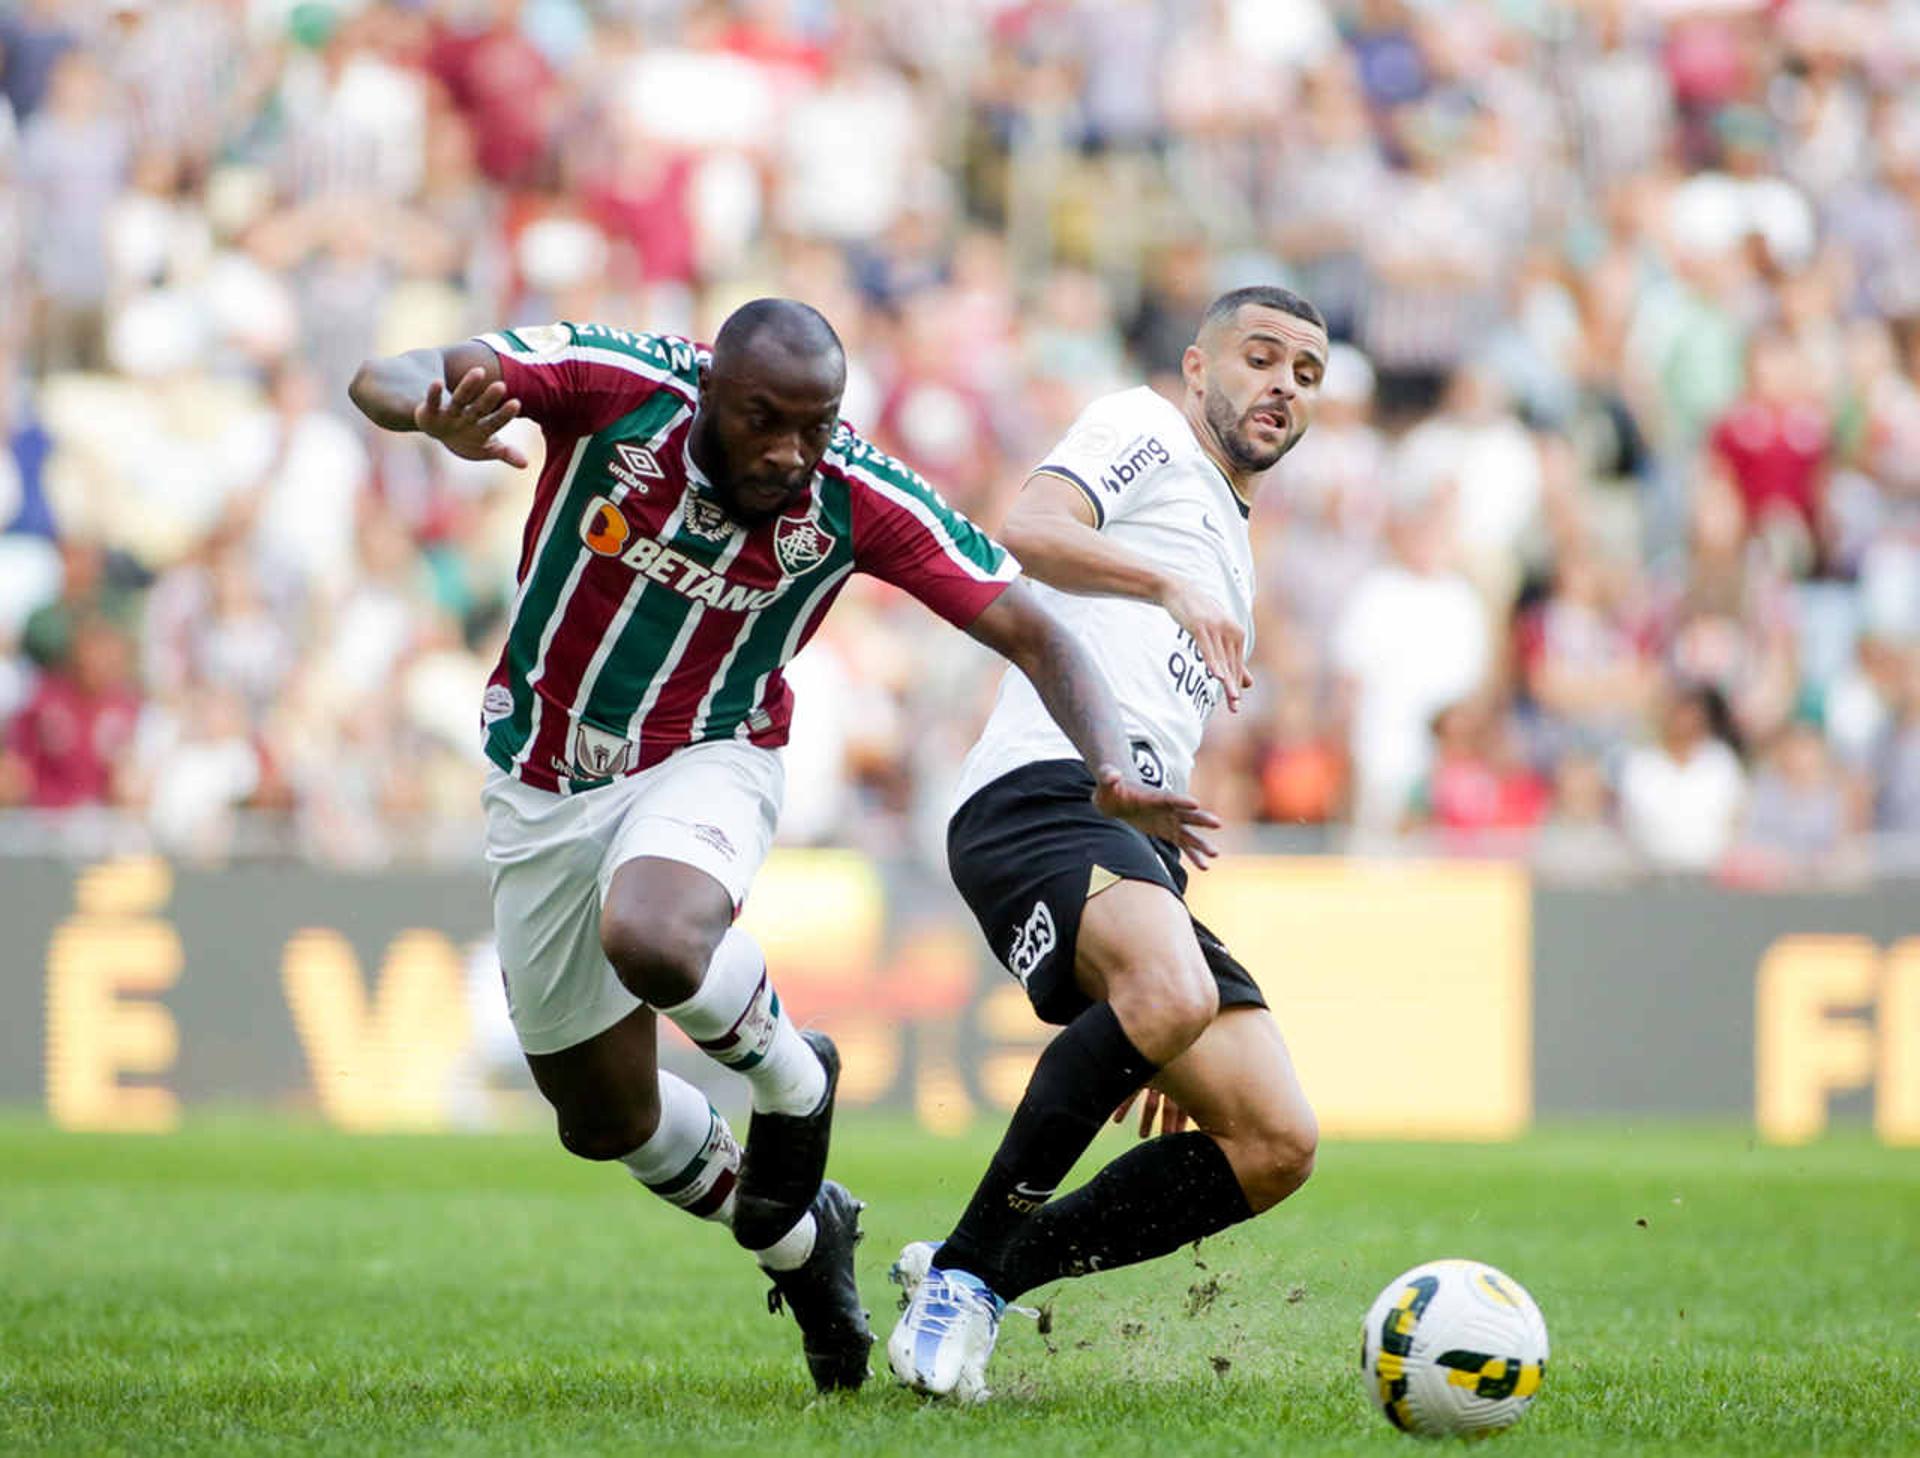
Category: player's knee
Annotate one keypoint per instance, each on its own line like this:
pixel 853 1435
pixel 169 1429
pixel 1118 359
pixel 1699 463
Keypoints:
pixel 606 1134
pixel 1280 1162
pixel 659 957
pixel 1165 1009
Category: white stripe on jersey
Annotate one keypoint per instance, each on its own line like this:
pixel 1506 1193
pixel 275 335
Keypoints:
pixel 546 527
pixel 616 494
pixel 787 650
pixel 705 710
pixel 684 636
pixel 560 606
pixel 1008 570
pixel 604 649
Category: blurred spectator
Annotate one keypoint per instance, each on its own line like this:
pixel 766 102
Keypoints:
pixel 197 766
pixel 1432 271
pixel 1303 771
pixel 1478 788
pixel 1580 660
pixel 1581 841
pixel 33 38
pixel 1411 640
pixel 1476 455
pixel 73 161
pixel 70 745
pixel 1772 445
pixel 94 583
pixel 1800 816
pixel 1681 797
pixel 502 85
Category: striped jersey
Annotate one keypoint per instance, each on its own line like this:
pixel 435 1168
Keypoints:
pixel 646 618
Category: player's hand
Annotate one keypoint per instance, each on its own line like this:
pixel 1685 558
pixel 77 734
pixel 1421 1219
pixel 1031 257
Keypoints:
pixel 1175 818
pixel 1172 1117
pixel 1222 642
pixel 464 419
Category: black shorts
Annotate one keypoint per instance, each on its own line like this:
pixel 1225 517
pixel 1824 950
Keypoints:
pixel 1023 851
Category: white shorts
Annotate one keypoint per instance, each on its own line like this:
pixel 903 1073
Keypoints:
pixel 551 858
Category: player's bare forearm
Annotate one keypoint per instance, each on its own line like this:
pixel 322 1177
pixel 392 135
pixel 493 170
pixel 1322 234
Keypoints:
pixel 1050 530
pixel 1068 681
pixel 390 390
pixel 455 395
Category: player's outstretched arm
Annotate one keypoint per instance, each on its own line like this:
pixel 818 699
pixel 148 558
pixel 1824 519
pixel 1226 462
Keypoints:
pixel 1051 530
pixel 1075 692
pixel 454 394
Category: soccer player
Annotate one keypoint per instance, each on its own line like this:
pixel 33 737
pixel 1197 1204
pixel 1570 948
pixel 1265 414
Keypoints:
pixel 1136 523
pixel 695 517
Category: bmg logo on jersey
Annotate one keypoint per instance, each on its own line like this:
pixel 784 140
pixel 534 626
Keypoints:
pixel 1143 458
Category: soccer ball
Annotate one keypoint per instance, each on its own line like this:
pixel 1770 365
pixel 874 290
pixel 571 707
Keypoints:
pixel 1453 1348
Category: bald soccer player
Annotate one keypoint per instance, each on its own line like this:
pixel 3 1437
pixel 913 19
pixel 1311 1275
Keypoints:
pixel 696 515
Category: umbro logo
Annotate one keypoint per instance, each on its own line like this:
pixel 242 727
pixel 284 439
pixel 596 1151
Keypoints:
pixel 633 466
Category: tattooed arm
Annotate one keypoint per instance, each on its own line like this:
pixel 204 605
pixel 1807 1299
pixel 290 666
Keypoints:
pixel 1075 693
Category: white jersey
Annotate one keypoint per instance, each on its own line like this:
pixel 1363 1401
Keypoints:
pixel 1155 491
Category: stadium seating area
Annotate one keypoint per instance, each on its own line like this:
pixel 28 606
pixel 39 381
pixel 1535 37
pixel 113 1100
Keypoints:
pixel 1604 549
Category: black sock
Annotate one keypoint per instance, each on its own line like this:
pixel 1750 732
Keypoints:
pixel 1149 1202
pixel 1079 1081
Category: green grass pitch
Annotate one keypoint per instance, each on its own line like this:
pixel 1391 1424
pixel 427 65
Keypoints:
pixel 245 1287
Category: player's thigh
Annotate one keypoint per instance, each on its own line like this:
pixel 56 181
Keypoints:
pixel 693 833
pixel 543 852
pixel 605 1091
pixel 1136 943
pixel 713 807
pixel 1237 1082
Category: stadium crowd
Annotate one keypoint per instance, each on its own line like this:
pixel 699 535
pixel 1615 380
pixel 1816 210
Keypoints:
pixel 1604 548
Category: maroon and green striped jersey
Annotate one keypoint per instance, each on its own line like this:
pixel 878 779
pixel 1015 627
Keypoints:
pixel 647 619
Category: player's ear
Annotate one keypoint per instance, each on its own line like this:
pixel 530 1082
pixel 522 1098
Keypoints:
pixel 1193 368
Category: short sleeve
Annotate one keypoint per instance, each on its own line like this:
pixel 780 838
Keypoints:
pixel 572 379
pixel 906 534
pixel 1111 452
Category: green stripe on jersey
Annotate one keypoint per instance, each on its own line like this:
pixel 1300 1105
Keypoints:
pixel 961 535
pixel 639 654
pixel 766 633
pixel 551 570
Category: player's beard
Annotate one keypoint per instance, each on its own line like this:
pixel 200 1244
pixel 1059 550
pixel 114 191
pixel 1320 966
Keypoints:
pixel 1229 428
pixel 751 517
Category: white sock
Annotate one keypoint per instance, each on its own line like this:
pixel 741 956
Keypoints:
pixel 791 1250
pixel 736 1019
pixel 692 1159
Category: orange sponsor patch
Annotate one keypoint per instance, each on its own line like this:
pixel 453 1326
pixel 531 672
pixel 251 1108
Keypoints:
pixel 604 528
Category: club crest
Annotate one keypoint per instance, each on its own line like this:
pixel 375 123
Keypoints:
pixel 706 518
pixel 799 545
